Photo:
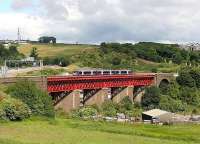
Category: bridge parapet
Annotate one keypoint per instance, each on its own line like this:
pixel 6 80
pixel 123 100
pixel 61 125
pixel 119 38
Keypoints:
pixel 41 82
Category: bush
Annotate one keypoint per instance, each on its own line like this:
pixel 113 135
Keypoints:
pixel 109 108
pixel 88 112
pixel 125 105
pixel 185 79
pixel 38 101
pixel 134 113
pixel 59 60
pixel 85 112
pixel 13 110
pixel 151 98
pixel 2 114
pixel 172 105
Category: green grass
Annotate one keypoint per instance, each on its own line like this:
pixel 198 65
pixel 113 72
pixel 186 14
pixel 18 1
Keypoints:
pixel 63 131
pixel 44 72
pixel 50 50
pixel 147 66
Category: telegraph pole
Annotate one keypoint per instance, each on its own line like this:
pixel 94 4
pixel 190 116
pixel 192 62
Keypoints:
pixel 18 35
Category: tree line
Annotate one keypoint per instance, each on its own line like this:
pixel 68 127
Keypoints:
pixel 116 55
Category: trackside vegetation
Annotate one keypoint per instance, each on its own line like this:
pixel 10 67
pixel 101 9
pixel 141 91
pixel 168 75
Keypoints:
pixel 38 101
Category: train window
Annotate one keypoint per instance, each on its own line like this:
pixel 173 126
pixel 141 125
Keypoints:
pixel 130 72
pixel 115 72
pixel 87 73
pixel 97 73
pixel 124 72
pixel 106 73
pixel 79 73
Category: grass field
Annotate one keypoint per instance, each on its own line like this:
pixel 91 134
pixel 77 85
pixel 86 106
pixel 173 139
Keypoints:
pixel 51 50
pixel 62 131
pixel 144 65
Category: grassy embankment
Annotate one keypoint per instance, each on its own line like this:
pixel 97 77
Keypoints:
pixel 64 131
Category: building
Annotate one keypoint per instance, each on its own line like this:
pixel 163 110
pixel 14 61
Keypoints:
pixel 190 46
pixel 157 115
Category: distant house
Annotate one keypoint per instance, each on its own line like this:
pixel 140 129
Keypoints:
pixel 157 115
pixel 30 59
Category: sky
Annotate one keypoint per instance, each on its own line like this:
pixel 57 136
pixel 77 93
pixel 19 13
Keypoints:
pixel 95 21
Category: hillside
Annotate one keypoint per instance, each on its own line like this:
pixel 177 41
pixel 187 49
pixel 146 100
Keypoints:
pixel 49 50
pixel 115 56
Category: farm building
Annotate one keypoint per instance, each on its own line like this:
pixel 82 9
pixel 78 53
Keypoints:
pixel 157 115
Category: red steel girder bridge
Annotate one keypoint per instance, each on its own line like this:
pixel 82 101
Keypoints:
pixel 70 83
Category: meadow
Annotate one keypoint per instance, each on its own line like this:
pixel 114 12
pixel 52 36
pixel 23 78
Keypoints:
pixel 53 50
pixel 67 131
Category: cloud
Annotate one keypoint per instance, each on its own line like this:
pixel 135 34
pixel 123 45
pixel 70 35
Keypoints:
pixel 21 4
pixel 114 20
pixel 31 27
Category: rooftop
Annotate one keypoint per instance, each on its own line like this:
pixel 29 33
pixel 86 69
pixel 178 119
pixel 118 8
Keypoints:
pixel 155 112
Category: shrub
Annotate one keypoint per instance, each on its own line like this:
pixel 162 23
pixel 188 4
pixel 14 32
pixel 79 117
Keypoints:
pixel 185 79
pixel 109 108
pixel 37 100
pixel 134 113
pixel 126 105
pixel 13 110
pixel 2 114
pixel 151 98
pixel 169 104
pixel 85 112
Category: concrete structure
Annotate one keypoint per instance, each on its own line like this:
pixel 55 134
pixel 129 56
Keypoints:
pixel 69 101
pixel 122 93
pixel 157 115
pixel 97 98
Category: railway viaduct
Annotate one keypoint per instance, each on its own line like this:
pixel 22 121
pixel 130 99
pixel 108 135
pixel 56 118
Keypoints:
pixel 72 92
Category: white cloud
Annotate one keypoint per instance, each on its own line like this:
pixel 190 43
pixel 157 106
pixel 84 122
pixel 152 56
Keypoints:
pixel 31 27
pixel 111 20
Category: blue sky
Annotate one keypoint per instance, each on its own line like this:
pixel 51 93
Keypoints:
pixel 95 21
pixel 5 5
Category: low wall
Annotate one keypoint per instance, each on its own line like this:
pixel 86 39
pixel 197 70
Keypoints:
pixel 40 81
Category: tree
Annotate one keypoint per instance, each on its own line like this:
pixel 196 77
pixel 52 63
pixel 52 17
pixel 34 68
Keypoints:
pixel 126 105
pixel 195 74
pixel 34 53
pixel 109 108
pixel 185 79
pixel 191 96
pixel 38 101
pixel 169 104
pixel 151 98
pixel 178 58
